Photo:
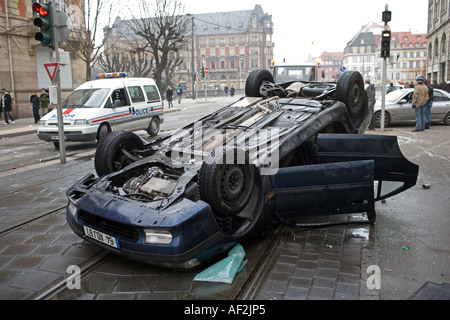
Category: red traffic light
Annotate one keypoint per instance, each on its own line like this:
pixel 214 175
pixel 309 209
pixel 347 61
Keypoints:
pixel 37 7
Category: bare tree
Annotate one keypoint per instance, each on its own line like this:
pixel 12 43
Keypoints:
pixel 86 38
pixel 163 30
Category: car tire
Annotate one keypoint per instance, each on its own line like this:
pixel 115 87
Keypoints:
pixel 103 131
pixel 255 80
pixel 109 156
pixel 350 90
pixel 233 190
pixel 153 127
pixel 377 119
pixel 447 119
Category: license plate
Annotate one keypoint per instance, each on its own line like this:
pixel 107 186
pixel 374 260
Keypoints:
pixel 55 138
pixel 101 237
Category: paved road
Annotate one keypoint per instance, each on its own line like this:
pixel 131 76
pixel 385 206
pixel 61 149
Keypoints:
pixel 408 243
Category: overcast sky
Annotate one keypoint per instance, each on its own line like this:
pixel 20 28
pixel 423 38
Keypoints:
pixel 303 27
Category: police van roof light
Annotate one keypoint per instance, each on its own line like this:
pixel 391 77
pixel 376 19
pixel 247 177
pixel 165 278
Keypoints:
pixel 111 75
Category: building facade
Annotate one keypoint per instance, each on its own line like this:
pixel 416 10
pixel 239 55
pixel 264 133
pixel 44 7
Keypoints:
pixel 22 58
pixel 408 56
pixel 438 32
pixel 230 45
pixel 331 62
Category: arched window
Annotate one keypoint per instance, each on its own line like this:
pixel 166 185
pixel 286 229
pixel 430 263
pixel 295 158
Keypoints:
pixel 436 48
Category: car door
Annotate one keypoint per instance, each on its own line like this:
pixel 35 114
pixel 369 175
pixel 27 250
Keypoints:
pixel 403 111
pixel 441 106
pixel 138 107
pixel 351 173
pixel 118 106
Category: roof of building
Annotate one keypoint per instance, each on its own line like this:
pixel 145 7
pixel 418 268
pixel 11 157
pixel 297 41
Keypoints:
pixel 405 39
pixel 228 22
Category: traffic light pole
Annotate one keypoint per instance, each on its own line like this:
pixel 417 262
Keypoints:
pixel 386 19
pixel 57 56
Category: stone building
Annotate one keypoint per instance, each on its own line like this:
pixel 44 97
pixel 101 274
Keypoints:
pixel 438 33
pixel 331 62
pixel 408 57
pixel 22 58
pixel 230 45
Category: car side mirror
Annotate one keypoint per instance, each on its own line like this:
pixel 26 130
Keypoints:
pixel 403 101
pixel 117 104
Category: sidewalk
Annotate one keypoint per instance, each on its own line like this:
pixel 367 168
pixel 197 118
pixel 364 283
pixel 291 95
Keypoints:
pixel 20 127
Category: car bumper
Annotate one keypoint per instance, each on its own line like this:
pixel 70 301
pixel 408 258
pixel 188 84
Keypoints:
pixel 196 237
pixel 50 135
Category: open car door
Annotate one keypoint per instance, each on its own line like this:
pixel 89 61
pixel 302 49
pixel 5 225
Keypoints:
pixel 348 170
pixel 393 172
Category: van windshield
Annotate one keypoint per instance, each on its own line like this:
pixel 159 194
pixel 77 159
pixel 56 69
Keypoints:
pixel 86 98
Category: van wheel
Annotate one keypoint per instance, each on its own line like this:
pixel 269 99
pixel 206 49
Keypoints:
pixel 153 127
pixel 56 144
pixel 103 131
pixel 113 152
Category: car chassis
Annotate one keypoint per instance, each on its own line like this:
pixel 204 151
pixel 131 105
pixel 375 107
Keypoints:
pixel 280 152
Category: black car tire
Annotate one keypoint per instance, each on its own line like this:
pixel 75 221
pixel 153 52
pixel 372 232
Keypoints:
pixel 153 127
pixel 377 119
pixel 233 190
pixel 103 131
pixel 255 80
pixel 109 157
pixel 350 90
pixel 447 119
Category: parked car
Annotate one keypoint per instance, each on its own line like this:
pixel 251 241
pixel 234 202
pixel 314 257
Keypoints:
pixel 280 152
pixel 399 108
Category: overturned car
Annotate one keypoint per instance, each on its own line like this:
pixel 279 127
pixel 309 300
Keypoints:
pixel 280 152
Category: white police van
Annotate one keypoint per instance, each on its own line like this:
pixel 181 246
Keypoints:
pixel 96 108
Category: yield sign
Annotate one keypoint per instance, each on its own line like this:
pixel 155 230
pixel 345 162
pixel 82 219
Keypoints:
pixel 51 69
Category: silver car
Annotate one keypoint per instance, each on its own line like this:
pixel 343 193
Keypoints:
pixel 399 108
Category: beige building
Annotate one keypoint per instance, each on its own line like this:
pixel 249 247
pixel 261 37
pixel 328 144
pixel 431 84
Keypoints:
pixel 22 58
pixel 438 65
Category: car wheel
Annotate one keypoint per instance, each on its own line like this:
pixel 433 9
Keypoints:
pixel 350 90
pixel 153 127
pixel 103 131
pixel 255 80
pixel 233 189
pixel 377 119
pixel 113 152
pixel 56 144
pixel 447 119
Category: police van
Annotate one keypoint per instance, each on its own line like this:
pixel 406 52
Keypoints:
pixel 110 103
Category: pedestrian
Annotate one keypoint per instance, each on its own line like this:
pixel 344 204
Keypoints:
pixel 226 91
pixel 371 97
pixel 390 88
pixel 44 100
pixel 232 90
pixel 429 104
pixel 36 105
pixel 179 93
pixel 169 96
pixel 420 99
pixel 6 105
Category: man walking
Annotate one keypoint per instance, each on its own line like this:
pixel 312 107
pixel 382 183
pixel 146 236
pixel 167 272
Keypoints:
pixel 420 99
pixel 6 105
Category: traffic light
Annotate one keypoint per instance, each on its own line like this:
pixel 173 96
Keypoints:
pixel 45 23
pixel 386 44
pixel 203 72
pixel 154 72
pixel 194 76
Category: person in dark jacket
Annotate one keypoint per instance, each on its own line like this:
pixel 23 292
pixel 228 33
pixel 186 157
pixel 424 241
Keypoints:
pixel 169 96
pixel 428 105
pixel 6 106
pixel 36 105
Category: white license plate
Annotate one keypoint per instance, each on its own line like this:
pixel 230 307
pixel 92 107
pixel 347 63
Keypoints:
pixel 55 138
pixel 101 237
